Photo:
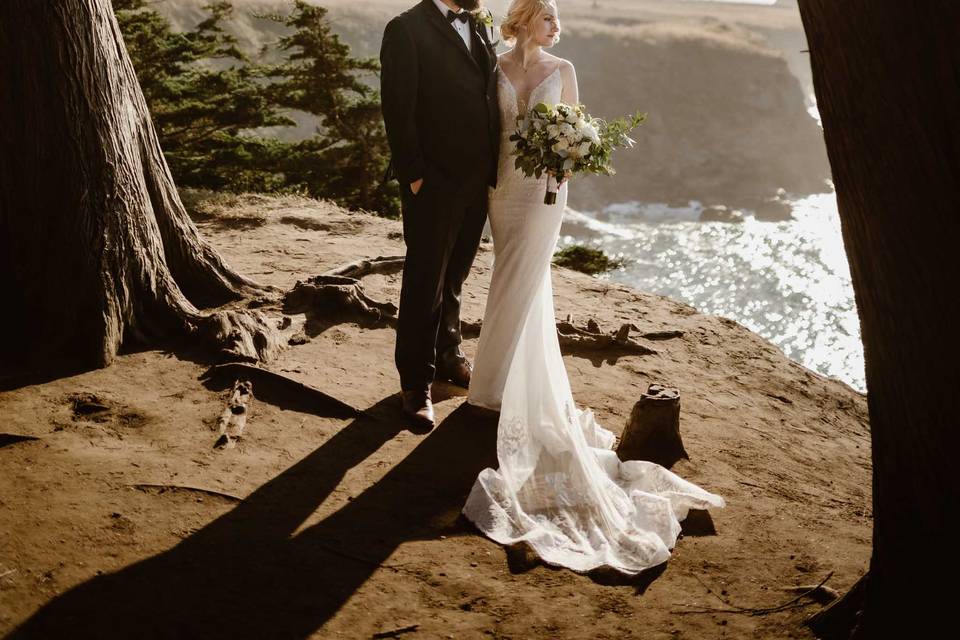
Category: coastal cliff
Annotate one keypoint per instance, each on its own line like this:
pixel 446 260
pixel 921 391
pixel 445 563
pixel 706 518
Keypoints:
pixel 117 510
pixel 724 86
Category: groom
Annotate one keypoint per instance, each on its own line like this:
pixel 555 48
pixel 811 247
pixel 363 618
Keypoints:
pixel 439 95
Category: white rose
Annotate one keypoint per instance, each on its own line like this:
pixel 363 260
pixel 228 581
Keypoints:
pixel 553 130
pixel 567 130
pixel 572 118
pixel 591 132
pixel 561 145
pixel 584 148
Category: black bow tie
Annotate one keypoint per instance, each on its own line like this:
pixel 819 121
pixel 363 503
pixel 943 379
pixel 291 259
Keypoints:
pixel 463 16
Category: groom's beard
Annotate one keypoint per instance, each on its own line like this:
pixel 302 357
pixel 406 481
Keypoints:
pixel 469 5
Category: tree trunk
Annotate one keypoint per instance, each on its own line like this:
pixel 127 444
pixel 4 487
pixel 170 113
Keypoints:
pixel 887 80
pixel 96 249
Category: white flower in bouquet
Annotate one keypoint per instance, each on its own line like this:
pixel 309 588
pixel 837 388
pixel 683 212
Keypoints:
pixel 591 132
pixel 563 140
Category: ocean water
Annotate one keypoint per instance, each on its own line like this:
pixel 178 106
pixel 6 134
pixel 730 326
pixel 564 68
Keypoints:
pixel 787 281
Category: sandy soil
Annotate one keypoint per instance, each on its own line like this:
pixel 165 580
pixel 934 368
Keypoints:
pixel 321 527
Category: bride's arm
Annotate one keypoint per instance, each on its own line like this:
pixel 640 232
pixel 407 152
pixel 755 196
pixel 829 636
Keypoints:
pixel 571 92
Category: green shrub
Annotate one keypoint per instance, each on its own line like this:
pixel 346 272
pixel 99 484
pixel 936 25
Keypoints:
pixel 586 259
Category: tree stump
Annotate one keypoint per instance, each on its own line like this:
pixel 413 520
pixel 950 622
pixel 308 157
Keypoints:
pixel 653 432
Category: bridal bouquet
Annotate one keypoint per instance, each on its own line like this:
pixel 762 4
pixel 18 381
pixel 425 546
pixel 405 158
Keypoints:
pixel 563 140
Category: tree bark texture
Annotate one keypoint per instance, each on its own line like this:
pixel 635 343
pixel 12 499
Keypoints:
pixel 96 248
pixel 887 81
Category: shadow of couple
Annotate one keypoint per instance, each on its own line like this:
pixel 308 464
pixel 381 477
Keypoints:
pixel 246 575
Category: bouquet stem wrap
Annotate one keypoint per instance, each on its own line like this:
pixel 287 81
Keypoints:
pixel 550 197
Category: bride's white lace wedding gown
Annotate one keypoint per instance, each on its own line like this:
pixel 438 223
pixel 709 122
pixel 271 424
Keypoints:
pixel 559 486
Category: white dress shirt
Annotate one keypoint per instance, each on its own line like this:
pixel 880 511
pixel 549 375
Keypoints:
pixel 462 28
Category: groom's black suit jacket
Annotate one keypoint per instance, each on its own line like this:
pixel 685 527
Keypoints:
pixel 439 102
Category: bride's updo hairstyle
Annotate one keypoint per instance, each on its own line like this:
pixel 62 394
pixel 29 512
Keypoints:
pixel 521 14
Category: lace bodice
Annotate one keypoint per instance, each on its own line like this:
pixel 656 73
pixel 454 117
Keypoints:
pixel 509 178
pixel 549 90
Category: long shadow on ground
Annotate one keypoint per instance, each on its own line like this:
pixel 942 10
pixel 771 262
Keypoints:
pixel 244 576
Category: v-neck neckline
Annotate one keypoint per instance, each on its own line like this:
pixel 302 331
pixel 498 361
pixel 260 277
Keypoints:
pixel 513 89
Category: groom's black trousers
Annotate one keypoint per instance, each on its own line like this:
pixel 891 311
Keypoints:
pixel 442 232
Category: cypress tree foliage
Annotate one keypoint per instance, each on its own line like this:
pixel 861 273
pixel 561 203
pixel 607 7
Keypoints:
pixel 208 99
pixel 204 97
pixel 346 158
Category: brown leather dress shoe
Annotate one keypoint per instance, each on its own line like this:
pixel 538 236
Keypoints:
pixel 458 372
pixel 418 406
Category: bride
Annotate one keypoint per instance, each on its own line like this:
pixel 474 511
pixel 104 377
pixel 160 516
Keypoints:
pixel 559 486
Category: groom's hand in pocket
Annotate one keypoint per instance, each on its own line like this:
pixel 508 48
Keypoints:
pixel 415 186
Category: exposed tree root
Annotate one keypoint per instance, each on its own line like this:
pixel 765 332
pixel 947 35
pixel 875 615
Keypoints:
pixel 144 486
pixel 245 336
pixel 840 619
pixel 793 603
pixel 330 299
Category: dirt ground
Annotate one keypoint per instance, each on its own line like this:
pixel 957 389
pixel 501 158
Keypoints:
pixel 122 521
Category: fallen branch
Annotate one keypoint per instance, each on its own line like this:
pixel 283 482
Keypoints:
pixel 233 419
pixel 789 604
pixel 182 487
pixel 367 266
pixel 394 633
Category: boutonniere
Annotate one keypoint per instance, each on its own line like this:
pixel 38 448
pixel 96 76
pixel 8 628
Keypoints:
pixel 485 18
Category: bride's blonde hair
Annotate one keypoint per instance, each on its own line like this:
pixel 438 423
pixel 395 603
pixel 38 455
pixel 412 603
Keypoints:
pixel 521 14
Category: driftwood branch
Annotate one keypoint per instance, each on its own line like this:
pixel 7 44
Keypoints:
pixel 367 266
pixel 233 419
pixel 592 337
